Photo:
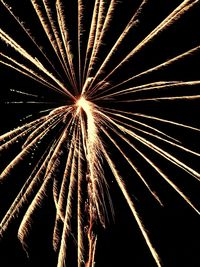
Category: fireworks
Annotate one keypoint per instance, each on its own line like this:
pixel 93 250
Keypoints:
pixel 99 99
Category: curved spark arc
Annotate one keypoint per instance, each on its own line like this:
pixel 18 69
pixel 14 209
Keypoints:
pixel 82 124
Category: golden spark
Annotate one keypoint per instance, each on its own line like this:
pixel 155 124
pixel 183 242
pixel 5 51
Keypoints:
pixel 72 164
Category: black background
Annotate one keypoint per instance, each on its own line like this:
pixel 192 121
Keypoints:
pixel 174 228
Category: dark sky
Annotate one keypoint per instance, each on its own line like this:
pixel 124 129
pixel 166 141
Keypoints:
pixel 174 228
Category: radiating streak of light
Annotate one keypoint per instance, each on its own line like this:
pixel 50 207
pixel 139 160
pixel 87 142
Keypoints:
pixel 100 24
pixel 50 30
pixel 91 39
pixel 93 250
pixel 105 27
pixel 158 137
pixel 57 155
pixel 132 23
pixel 9 9
pixel 85 86
pixel 131 205
pixel 46 110
pixel 28 189
pixel 20 129
pixel 55 32
pixel 124 116
pixel 54 120
pixel 158 86
pixel 59 44
pixel 59 195
pixel 26 221
pixel 168 156
pixel 159 171
pixel 166 121
pixel 49 173
pixel 15 135
pixel 8 40
pixel 16 138
pixel 92 142
pixel 23 93
pixel 68 211
pixel 80 32
pixel 168 98
pixel 60 213
pixel 30 102
pixel 135 88
pixel 158 67
pixel 21 68
pixel 80 228
pixel 66 41
pixel 133 166
pixel 141 124
pixel 169 20
pixel 91 238
pixel 25 151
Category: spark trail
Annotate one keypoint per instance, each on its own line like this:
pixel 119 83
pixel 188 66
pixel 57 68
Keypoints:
pixel 75 138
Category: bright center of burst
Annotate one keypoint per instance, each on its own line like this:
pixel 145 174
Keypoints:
pixel 90 127
pixel 84 104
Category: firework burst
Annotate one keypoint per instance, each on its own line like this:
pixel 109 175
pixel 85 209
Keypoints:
pixel 100 84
